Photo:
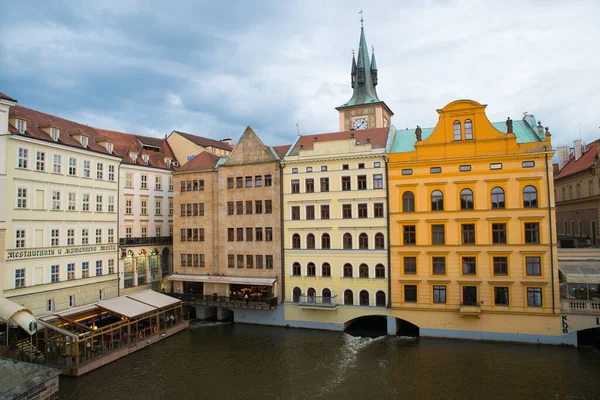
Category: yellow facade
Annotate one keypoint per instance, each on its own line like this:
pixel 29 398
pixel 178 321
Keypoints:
pixel 472 248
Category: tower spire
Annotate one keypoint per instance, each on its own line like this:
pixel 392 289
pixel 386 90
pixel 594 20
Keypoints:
pixel 353 72
pixel 373 67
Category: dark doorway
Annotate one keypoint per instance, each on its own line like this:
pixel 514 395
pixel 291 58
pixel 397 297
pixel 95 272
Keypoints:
pixel 370 326
pixel 589 337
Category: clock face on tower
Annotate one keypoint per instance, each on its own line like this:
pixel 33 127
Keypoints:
pixel 360 123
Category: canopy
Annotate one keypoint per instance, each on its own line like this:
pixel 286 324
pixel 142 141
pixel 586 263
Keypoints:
pixel 224 279
pixel 22 316
pixel 580 271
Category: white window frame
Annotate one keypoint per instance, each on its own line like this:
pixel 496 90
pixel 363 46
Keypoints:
pixel 87 168
pixel 23 157
pixel 85 202
pixel 85 236
pixel 99 203
pixel 20 237
pixel 70 238
pixel 111 204
pixel 158 182
pixel 72 201
pixel 20 278
pixel 40 162
pixel 144 182
pixel 52 273
pixel 111 173
pixel 72 171
pixel 111 235
pixel 98 235
pixel 99 170
pixel 56 200
pixel 55 237
pixel 56 163
pixel 21 197
pixel 158 207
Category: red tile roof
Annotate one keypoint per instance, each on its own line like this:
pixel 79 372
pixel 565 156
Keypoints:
pixel 125 143
pixel 6 97
pixel 35 119
pixel 205 142
pixel 376 136
pixel 587 160
pixel 282 150
pixel 202 161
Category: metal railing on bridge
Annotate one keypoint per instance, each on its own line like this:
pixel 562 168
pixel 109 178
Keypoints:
pixel 146 240
pixel 226 301
pixel 317 301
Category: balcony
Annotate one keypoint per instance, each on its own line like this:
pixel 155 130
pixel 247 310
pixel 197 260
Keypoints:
pixel 470 309
pixel 580 306
pixel 318 302
pixel 150 240
pixel 228 302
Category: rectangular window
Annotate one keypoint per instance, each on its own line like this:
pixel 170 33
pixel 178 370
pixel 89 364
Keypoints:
pixel 362 182
pixel 111 173
pixel 195 185
pixel 439 294
pixel 70 237
pixel 438 265
pixel 111 235
pixel 54 237
pixel 111 266
pixel 201 209
pixel 435 170
pixel 99 171
pixel 230 261
pixel 249 261
pixel 378 210
pixel 230 234
pixel 295 186
pixel 469 265
pixel 99 270
pixel 170 207
pixel 20 238
pixel 144 184
pixel 144 207
pixel 50 305
pixel 56 163
pixel 230 208
pixel 346 183
pixel 98 236
pixel 410 265
pixel 464 168
pixel 407 171
pixel 195 209
pixel 240 207
pixel 239 182
pixel 202 261
pixel 84 236
pixel 183 187
pixel 72 301
pixel 496 166
pixel 501 296
pixel 268 180
pixel 21 198
pixel 324 184
pixel 40 161
pixel 258 207
pixel 240 261
pixel 269 262
pixel 111 203
pixel 85 269
pixel 268 207
pixel 249 234
pixel 269 234
pixel 325 211
pixel 534 266
pixel 438 235
pixel 259 234
pixel 249 207
pixel 85 202
pixel 87 166
pixel 499 233
pixel 347 211
pixel 71 271
pixel 229 183
pixel 410 293
pixel 310 185
pixel 182 211
pixel 534 297
pixel 23 158
pixel 157 231
pixel 99 203
pixel 72 198
pixel 240 234
pixel 258 181
pixel 183 260
pixel 158 183
pixel 248 181
pixel 500 266
pixel 468 233
pixel 532 232
pixel 409 234
pixel 259 262
pixel 378 181
pixel 157 207
pixel 310 212
pixel 19 278
pixel 54 273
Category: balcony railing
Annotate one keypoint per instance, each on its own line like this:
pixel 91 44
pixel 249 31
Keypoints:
pixel 472 308
pixel 580 306
pixel 327 303
pixel 228 302
pixel 146 240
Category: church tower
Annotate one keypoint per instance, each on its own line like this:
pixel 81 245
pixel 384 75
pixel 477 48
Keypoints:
pixel 364 110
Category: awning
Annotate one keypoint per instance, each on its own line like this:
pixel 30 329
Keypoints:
pixel 125 306
pixel 580 271
pixel 22 316
pixel 224 279
pixel 154 299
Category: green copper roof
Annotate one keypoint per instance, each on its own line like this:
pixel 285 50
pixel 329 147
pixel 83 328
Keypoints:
pixel 364 92
pixel 404 141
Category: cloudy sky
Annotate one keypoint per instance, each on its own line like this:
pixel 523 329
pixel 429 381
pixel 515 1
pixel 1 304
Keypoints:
pixel 213 68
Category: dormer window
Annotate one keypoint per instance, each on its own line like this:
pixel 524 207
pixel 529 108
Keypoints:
pixel 84 141
pixel 109 147
pixel 54 133
pixel 133 156
pixel 168 162
pixel 21 125
pixel 145 157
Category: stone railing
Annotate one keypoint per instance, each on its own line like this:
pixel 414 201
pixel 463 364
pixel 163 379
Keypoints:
pixel 580 306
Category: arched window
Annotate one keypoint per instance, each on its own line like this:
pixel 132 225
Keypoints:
pixel 530 199
pixel 379 271
pixel 457 133
pixel 312 295
pixel 348 297
pixel 379 241
pixel 325 241
pixel 310 241
pixel 437 201
pixel 408 202
pixel 347 241
pixel 296 269
pixel 311 269
pixel 498 197
pixel 295 241
pixel 325 269
pixel 468 129
pixel 296 294
pixel 466 199
pixel 348 271
pixel 363 298
pixel 363 271
pixel 363 241
pixel 326 296
pixel 380 299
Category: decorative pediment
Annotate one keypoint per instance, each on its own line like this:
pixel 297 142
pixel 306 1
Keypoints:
pixel 250 150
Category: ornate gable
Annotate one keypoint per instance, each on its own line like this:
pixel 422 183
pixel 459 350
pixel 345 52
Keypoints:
pixel 250 150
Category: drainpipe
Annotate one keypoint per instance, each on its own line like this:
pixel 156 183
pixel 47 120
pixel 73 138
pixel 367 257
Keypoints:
pixel 389 254
pixel 281 235
pixel 118 228
pixel 551 234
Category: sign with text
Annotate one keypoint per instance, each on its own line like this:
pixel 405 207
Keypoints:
pixel 58 251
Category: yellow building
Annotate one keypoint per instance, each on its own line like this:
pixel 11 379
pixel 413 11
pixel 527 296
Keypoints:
pixel 473 244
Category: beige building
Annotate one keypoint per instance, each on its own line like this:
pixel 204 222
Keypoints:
pixel 577 194
pixel 186 146
pixel 227 244
pixel 59 211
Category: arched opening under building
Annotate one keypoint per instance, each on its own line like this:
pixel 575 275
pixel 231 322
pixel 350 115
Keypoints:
pixel 589 337
pixel 368 326
pixel 406 329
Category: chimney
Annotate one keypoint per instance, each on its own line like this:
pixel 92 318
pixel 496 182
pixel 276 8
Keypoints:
pixel 577 149
pixel 563 156
pixel 227 140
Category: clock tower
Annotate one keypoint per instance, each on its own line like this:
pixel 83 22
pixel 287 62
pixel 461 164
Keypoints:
pixel 364 110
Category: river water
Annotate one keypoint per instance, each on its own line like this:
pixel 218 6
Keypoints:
pixel 236 361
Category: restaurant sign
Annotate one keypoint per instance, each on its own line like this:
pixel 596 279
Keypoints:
pixel 58 251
